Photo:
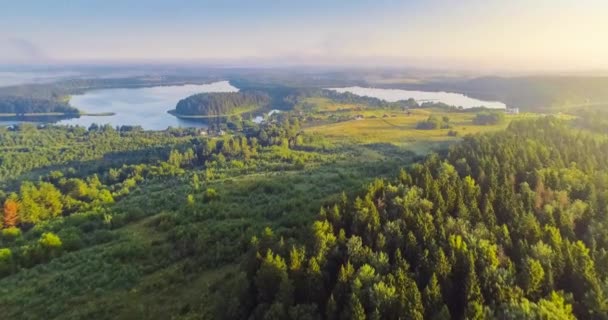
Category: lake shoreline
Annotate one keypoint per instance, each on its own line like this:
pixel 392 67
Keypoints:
pixel 56 114
pixel 420 96
pixel 146 107
pixel 174 113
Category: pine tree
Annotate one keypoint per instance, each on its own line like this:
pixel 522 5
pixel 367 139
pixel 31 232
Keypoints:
pixel 433 300
pixel 355 309
pixel 331 309
pixel 474 299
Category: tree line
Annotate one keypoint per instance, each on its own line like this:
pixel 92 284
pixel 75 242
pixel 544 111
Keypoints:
pixel 21 105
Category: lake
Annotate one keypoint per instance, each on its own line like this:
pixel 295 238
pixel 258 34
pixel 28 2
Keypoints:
pixel 392 95
pixel 146 107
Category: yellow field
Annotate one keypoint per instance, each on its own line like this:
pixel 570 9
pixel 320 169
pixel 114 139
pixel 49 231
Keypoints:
pixel 398 128
pixel 394 126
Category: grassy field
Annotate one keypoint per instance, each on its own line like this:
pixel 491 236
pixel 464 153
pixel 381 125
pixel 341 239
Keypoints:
pixel 327 105
pixel 336 122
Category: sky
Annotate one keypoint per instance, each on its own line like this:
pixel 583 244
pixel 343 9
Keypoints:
pixel 556 35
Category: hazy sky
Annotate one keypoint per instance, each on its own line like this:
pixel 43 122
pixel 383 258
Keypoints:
pixel 475 34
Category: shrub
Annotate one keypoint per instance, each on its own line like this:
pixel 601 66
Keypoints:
pixel 71 238
pixel 434 122
pixel 6 261
pixel 489 118
pixel 210 194
pixel 101 236
pixel 50 240
pixel 11 233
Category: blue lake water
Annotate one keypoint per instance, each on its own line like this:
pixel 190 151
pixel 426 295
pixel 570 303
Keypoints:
pixel 146 107
pixel 450 98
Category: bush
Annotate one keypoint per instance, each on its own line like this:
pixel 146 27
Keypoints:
pixel 128 251
pixel 6 261
pixel 71 238
pixel 101 236
pixel 50 240
pixel 452 133
pixel 434 122
pixel 11 233
pixel 489 118
pixel 163 222
pixel 210 194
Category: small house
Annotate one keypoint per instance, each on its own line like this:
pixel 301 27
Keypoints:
pixel 512 110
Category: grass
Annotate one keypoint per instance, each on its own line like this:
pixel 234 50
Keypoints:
pixel 336 122
pixel 327 105
pixel 399 128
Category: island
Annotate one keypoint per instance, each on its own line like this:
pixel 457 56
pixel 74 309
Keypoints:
pixel 220 104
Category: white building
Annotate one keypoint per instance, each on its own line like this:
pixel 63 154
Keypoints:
pixel 512 110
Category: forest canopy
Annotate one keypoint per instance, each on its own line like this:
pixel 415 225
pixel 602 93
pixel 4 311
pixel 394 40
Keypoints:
pixel 508 226
pixel 21 105
pixel 221 103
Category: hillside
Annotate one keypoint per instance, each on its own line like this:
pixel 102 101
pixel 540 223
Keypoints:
pixel 507 226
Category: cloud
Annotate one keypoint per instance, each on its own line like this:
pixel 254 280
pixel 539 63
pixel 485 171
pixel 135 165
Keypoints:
pixel 20 50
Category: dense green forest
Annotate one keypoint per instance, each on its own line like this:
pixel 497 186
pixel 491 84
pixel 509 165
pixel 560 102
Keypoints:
pixel 28 148
pixel 20 105
pixel 221 103
pixel 508 225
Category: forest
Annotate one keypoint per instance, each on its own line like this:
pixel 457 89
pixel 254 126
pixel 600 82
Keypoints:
pixel 22 105
pixel 339 207
pixel 221 103
pixel 509 225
